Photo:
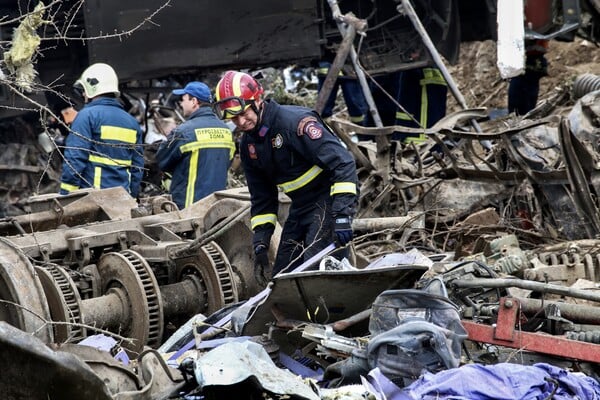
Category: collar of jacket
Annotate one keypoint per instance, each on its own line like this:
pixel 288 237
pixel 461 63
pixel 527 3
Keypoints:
pixel 201 112
pixel 104 101
pixel 269 110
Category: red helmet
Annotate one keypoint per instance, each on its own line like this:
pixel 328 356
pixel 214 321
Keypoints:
pixel 235 92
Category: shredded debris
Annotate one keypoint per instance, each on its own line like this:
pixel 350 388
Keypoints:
pixel 19 59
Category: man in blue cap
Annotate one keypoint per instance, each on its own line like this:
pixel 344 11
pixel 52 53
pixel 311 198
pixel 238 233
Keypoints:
pixel 198 152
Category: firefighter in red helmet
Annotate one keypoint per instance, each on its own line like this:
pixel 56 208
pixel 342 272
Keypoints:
pixel 289 148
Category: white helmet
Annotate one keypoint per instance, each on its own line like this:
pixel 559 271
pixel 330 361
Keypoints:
pixel 98 79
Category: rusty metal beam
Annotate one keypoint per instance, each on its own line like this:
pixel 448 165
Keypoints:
pixel 505 334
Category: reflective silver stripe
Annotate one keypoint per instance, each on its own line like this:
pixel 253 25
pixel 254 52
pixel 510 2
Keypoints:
pixel 262 219
pixel 303 180
pixel 343 187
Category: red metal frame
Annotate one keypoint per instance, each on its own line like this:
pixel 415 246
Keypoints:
pixel 505 334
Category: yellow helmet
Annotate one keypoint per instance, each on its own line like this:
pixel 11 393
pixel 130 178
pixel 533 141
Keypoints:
pixel 98 79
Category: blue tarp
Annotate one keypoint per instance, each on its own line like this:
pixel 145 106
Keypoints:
pixel 500 381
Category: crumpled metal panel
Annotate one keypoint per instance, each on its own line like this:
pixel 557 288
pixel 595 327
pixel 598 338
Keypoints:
pixel 234 363
pixel 329 296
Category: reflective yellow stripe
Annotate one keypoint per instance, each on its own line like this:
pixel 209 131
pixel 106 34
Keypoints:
pixel 191 183
pixel 206 138
pixel 416 139
pixel 97 177
pixel 262 219
pixel 403 116
pixel 360 118
pixel 343 187
pixel 67 187
pixel 193 146
pixel 432 76
pixel 424 106
pixel 303 180
pixel 325 71
pixel 115 162
pixel 117 133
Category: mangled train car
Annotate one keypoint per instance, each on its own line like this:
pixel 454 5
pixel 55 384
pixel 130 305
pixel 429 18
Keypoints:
pixel 505 219
pixel 84 262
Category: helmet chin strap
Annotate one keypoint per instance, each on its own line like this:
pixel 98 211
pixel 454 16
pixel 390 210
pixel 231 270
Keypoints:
pixel 258 111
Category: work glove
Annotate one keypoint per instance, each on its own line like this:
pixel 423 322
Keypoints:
pixel 343 229
pixel 262 267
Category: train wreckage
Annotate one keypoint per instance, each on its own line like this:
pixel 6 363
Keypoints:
pixel 97 262
pixel 473 251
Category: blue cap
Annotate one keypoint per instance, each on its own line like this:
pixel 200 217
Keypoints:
pixel 198 90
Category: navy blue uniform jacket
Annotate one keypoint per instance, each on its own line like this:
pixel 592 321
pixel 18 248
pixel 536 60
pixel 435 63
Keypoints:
pixel 104 149
pixel 294 151
pixel 197 154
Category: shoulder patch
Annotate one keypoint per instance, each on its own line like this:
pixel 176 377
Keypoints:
pixel 302 124
pixel 314 130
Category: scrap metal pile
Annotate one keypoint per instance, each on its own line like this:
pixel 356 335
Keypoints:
pixel 470 249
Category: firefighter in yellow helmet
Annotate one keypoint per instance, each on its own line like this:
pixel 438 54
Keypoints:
pixel 289 148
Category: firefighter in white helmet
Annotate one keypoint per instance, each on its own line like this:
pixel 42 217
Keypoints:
pixel 104 147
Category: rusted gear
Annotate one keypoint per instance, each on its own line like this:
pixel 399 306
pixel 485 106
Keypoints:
pixel 152 291
pixel 224 272
pixel 20 285
pixel 213 267
pixel 129 271
pixel 64 302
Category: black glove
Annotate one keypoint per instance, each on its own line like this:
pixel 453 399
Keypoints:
pixel 343 229
pixel 262 267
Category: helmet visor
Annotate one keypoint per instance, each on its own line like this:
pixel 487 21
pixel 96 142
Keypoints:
pixel 231 106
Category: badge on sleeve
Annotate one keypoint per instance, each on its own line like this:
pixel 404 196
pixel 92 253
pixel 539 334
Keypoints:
pixel 313 130
pixel 252 151
pixel 302 124
pixel 310 126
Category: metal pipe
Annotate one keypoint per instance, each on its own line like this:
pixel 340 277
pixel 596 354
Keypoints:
pixel 585 84
pixel 346 323
pixel 183 298
pixel 523 284
pixel 414 219
pixel 110 311
pixel 335 9
pixel 578 313
pixel 213 232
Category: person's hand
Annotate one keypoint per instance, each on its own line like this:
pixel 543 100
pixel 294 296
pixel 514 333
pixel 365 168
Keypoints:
pixel 343 229
pixel 262 267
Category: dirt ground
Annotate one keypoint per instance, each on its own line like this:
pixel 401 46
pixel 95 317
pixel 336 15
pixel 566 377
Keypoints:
pixel 480 83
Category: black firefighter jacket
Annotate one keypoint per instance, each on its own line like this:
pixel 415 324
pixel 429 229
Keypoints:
pixel 294 151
